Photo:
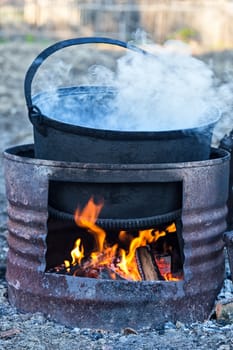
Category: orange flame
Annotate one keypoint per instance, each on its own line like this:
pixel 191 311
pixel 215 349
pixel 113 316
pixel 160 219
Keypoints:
pixel 87 218
pixel 118 260
pixel 78 252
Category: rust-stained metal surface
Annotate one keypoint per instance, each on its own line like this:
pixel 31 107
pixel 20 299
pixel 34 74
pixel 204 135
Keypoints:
pixel 85 302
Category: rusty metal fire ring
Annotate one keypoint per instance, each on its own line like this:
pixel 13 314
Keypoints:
pixel 122 224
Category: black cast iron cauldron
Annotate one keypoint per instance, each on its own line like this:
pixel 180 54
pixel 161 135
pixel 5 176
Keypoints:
pixel 58 140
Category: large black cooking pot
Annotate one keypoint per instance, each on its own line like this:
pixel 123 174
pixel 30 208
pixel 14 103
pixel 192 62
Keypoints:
pixel 59 140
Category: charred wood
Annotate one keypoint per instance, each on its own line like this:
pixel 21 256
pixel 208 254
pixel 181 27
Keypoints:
pixel 147 266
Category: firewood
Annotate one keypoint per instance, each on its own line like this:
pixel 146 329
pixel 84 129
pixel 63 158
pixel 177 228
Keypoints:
pixel 108 273
pixel 224 311
pixel 147 266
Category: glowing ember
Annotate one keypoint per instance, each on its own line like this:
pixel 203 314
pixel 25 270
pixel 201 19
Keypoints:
pixel 119 259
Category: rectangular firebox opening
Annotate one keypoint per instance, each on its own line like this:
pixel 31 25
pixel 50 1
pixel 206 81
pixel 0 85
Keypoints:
pixel 86 244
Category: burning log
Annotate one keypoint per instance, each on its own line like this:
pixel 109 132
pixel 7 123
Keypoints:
pixel 133 256
pixel 147 266
pixel 108 273
pixel 87 270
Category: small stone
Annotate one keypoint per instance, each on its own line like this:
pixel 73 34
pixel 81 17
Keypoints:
pixel 224 347
pixel 224 311
pixel 85 332
pixel 76 330
pixel 96 336
pixel 169 325
pixel 9 333
pixel 179 325
pixel 129 330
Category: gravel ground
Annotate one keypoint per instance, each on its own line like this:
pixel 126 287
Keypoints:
pixel 35 331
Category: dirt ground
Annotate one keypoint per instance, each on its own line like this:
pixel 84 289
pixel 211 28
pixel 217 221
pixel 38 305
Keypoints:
pixel 27 331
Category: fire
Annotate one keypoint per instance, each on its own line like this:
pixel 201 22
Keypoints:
pixel 87 219
pixel 77 253
pixel 119 260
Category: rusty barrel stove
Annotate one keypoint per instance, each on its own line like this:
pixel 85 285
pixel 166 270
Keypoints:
pixel 193 190
pixel 86 302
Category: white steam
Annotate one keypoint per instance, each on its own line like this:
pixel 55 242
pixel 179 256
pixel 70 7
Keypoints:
pixel 160 92
pixel 166 90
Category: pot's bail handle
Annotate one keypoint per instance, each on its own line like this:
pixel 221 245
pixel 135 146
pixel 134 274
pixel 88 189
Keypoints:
pixel 34 112
pixel 228 239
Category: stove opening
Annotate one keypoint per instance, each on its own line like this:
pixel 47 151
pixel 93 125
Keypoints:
pixel 88 245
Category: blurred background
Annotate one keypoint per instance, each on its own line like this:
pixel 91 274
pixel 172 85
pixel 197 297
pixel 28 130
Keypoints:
pixel 204 24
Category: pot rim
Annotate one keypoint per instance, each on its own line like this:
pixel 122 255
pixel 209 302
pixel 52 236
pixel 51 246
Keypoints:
pixel 40 119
